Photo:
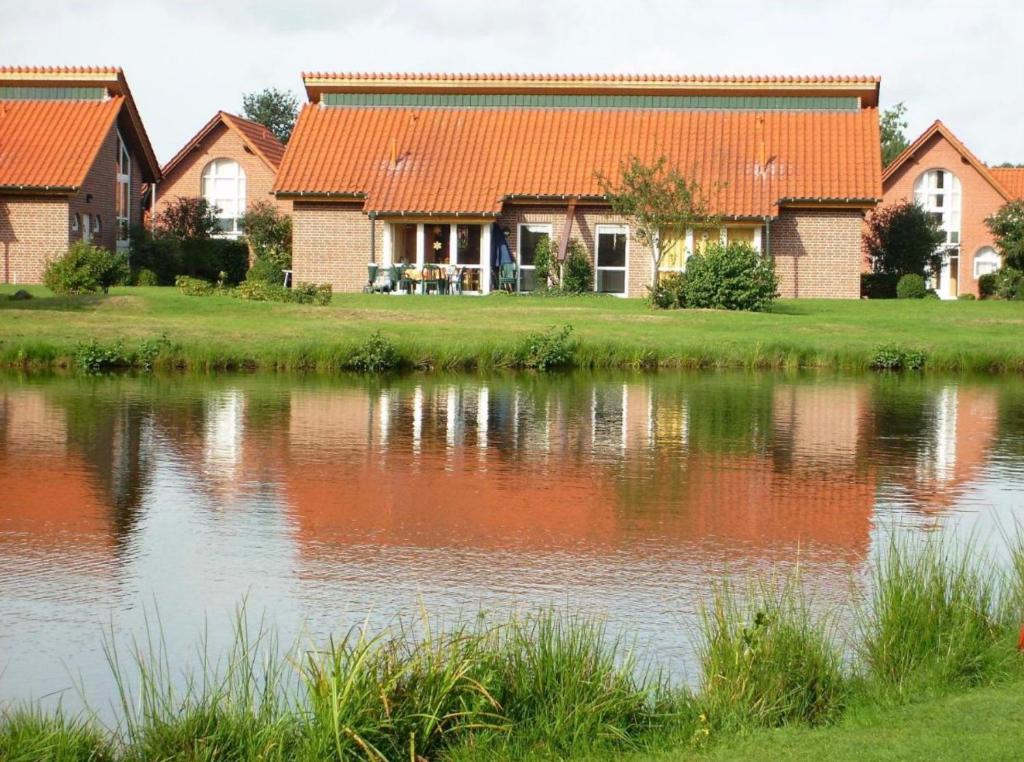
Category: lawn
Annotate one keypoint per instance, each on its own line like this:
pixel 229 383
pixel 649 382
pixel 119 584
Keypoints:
pixel 467 332
pixel 985 723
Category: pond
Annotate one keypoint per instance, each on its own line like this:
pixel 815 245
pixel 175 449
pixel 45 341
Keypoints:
pixel 166 502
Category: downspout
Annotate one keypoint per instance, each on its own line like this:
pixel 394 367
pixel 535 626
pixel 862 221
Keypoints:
pixel 373 237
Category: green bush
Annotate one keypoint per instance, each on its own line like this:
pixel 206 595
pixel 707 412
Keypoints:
pixel 893 357
pixel 670 293
pixel 168 257
pixel 987 285
pixel 543 263
pixel 733 277
pixel 1009 283
pixel 547 350
pixel 376 354
pixel 93 357
pixel 146 277
pixel 261 291
pixel 266 270
pixel 85 269
pixel 20 295
pixel 190 286
pixel 911 286
pixel 577 272
pixel 269 233
pixel 878 285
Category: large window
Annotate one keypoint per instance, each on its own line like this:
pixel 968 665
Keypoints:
pixel 122 200
pixel 986 261
pixel 529 237
pixel 224 188
pixel 611 257
pixel 467 255
pixel 937 191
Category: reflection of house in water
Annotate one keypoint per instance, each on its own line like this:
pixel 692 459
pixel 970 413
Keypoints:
pixel 582 466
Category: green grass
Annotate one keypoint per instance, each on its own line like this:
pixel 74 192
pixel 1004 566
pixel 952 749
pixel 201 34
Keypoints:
pixel 220 332
pixel 554 686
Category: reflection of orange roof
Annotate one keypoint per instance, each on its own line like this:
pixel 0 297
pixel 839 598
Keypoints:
pixel 1011 178
pixel 52 144
pixel 440 159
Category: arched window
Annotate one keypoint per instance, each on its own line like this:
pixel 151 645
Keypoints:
pixel 986 260
pixel 937 191
pixel 224 188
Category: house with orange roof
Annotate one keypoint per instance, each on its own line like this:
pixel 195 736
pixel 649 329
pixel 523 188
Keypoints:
pixel 73 157
pixel 938 172
pixel 231 162
pixel 389 168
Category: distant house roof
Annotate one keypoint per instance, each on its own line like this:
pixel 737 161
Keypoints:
pixel 401 159
pixel 258 138
pixel 938 128
pixel 49 141
pixel 1011 178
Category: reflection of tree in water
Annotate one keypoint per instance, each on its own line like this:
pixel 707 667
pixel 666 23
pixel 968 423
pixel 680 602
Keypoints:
pixel 109 430
pixel 900 423
pixel 1010 420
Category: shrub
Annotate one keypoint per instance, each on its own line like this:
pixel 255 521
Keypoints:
pixel 893 357
pixel 577 272
pixel 911 286
pixel 987 285
pixel 1007 226
pixel 261 291
pixel 765 662
pixel 878 285
pixel 670 293
pixel 733 277
pixel 267 270
pixel 20 295
pixel 546 350
pixel 188 219
pixel 207 259
pixel 376 354
pixel 543 263
pixel 93 357
pixel 190 286
pixel 1009 283
pixel 85 269
pixel 966 297
pixel 269 233
pixel 146 277
pixel 903 238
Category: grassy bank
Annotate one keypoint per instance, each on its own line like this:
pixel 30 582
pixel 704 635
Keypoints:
pixel 159 326
pixel 774 678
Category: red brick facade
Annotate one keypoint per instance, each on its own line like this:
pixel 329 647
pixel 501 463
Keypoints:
pixel 817 253
pixel 979 199
pixel 185 179
pixel 35 230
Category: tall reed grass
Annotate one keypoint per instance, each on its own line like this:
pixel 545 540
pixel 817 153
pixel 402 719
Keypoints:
pixel 553 685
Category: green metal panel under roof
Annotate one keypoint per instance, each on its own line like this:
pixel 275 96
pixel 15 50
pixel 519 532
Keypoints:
pixel 52 93
pixel 508 100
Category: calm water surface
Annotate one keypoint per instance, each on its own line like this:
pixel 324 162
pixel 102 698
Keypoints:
pixel 327 503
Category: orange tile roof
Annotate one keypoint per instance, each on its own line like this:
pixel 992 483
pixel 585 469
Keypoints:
pixel 52 144
pixel 255 135
pixel 1011 178
pixel 454 160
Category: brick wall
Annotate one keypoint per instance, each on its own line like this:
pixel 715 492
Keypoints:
pixel 584 226
pixel 818 253
pixel 33 231
pixel 186 180
pixel 331 244
pixel 978 199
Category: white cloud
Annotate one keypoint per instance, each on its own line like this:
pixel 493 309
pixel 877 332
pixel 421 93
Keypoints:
pixel 185 60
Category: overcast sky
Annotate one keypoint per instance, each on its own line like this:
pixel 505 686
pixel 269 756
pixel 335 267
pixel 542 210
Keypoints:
pixel 960 62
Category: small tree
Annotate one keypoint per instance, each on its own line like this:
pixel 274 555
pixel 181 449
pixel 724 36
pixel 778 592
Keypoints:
pixel 543 263
pixel 188 219
pixel 274 109
pixel 893 133
pixel 577 272
pixel 85 269
pixel 903 238
pixel 1007 227
pixel 269 233
pixel 659 202
pixel 732 277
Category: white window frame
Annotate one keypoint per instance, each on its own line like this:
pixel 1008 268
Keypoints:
pixel 75 222
pixel 624 269
pixel 209 178
pixel 453 256
pixel 981 257
pixel 533 227
pixel 926 191
pixel 124 191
